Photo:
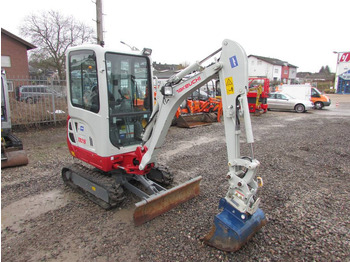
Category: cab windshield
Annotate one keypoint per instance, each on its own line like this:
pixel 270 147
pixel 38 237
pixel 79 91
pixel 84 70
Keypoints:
pixel 129 99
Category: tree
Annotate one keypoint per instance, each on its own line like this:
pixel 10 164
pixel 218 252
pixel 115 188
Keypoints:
pixel 53 33
pixel 321 70
pixel 325 70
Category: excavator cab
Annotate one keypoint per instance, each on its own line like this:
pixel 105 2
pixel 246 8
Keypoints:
pixel 124 86
pixel 109 104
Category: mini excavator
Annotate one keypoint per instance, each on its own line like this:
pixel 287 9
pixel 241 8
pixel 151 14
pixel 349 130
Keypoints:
pixel 116 128
pixel 12 153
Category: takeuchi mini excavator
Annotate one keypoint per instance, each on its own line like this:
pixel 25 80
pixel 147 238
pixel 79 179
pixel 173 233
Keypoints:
pixel 117 131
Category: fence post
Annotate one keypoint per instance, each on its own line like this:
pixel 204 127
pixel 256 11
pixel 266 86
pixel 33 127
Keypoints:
pixel 53 108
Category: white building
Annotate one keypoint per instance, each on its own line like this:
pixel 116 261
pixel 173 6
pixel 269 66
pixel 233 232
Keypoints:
pixel 271 68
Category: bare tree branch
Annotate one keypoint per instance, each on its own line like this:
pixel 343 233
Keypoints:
pixel 54 33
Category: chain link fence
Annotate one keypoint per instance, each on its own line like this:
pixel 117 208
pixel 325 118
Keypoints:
pixel 36 101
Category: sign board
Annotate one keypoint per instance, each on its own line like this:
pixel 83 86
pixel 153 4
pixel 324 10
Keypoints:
pixel 345 57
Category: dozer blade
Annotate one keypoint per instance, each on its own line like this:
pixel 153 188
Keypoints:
pixel 232 229
pixel 194 120
pixel 14 158
pixel 164 201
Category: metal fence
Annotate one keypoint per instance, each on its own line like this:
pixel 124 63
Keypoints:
pixel 36 101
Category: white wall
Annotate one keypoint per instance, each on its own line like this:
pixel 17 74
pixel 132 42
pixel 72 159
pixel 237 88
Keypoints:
pixel 277 72
pixel 257 67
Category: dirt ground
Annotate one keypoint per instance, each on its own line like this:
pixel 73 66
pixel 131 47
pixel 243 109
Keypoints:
pixel 304 163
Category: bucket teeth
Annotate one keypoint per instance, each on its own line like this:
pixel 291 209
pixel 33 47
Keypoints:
pixel 232 229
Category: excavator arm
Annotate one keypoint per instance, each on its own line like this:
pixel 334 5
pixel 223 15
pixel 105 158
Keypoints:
pixel 231 69
pixel 232 72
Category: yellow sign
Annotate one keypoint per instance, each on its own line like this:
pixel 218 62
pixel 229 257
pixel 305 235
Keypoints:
pixel 230 88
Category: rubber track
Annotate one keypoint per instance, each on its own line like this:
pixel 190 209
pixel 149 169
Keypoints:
pixel 13 141
pixel 97 177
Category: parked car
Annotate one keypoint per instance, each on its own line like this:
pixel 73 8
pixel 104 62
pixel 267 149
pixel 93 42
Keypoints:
pixel 30 94
pixel 281 101
pixel 33 93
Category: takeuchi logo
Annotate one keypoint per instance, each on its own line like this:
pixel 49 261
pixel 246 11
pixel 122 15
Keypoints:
pixel 194 81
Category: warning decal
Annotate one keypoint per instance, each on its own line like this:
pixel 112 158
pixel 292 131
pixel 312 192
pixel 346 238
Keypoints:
pixel 230 88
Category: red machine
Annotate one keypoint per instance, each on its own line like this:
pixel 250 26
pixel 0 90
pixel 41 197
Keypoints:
pixel 259 89
pixel 199 109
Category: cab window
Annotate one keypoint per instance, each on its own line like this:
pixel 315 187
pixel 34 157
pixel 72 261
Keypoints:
pixel 83 80
pixel 315 93
pixel 129 97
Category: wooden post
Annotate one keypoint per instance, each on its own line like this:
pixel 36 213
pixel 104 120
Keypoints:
pixel 99 22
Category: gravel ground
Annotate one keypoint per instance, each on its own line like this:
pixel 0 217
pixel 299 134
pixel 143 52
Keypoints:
pixel 304 163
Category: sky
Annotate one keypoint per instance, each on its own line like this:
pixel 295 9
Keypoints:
pixel 302 32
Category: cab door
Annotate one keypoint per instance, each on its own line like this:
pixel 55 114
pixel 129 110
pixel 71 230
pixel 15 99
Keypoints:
pixel 84 102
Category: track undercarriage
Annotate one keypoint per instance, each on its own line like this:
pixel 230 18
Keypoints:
pixel 107 189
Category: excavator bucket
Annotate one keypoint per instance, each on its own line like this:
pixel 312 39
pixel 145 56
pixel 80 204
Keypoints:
pixel 194 120
pixel 13 158
pixel 165 201
pixel 232 229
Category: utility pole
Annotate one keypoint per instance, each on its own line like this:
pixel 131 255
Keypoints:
pixel 99 23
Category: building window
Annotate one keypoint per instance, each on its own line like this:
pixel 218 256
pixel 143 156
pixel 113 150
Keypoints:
pixel 259 62
pixel 10 86
pixel 5 61
pixel 276 71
